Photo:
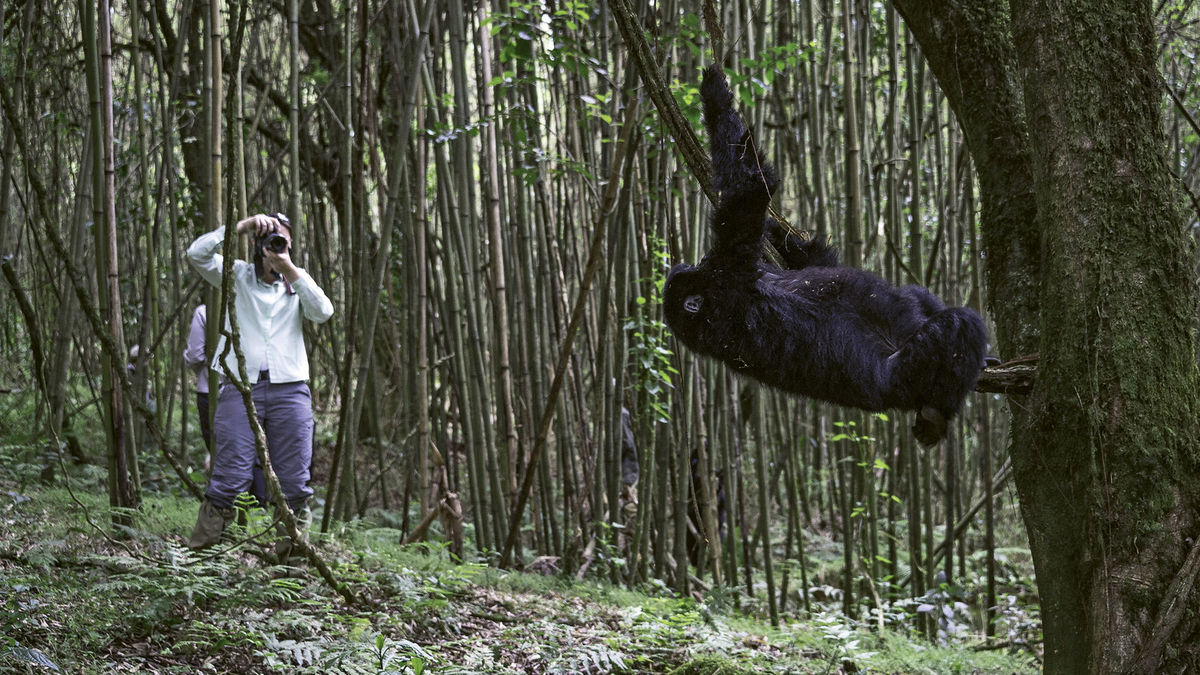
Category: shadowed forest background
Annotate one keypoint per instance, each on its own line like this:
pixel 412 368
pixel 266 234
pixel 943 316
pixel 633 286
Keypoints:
pixel 491 199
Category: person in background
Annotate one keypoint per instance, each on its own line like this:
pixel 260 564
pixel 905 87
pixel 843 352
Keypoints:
pixel 271 298
pixel 137 366
pixel 194 357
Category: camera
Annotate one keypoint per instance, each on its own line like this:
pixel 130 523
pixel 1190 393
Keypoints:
pixel 275 242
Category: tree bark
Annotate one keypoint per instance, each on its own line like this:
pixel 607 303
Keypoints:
pixel 1087 265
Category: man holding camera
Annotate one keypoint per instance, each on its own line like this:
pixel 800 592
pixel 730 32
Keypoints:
pixel 272 296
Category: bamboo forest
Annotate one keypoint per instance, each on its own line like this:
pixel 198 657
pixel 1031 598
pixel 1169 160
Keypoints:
pixel 488 440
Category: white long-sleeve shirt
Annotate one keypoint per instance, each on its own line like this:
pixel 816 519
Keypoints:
pixel 268 316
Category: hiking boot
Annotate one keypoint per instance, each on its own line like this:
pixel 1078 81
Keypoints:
pixel 210 523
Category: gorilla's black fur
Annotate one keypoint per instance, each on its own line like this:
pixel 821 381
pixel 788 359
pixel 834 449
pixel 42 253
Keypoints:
pixel 813 327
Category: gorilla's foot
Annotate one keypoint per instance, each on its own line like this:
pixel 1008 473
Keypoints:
pixel 930 426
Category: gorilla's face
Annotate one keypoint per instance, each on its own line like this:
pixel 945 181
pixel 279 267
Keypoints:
pixel 685 302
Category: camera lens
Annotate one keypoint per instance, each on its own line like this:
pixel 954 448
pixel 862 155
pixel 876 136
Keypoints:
pixel 275 243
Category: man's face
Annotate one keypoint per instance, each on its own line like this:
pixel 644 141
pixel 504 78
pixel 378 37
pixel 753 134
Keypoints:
pixel 271 268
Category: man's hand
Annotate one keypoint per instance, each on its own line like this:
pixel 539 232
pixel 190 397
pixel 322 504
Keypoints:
pixel 281 263
pixel 260 225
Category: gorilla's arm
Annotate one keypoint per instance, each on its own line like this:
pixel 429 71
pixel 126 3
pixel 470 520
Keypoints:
pixel 744 181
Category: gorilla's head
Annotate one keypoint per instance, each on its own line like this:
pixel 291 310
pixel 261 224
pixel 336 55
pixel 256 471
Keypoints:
pixel 686 305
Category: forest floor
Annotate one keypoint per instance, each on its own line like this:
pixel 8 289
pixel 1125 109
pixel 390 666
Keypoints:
pixel 75 599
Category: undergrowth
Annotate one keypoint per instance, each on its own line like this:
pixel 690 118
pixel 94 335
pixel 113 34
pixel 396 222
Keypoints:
pixel 73 599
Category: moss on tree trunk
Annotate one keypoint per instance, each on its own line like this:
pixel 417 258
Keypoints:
pixel 1088 265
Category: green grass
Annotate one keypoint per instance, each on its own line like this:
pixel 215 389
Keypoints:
pixel 71 596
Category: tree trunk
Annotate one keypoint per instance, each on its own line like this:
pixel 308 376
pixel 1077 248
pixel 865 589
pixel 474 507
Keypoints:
pixel 123 484
pixel 1088 266
pixel 1117 281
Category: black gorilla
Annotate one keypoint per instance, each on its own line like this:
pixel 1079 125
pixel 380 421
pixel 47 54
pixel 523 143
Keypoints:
pixel 813 327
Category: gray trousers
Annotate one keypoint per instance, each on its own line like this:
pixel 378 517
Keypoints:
pixel 285 412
